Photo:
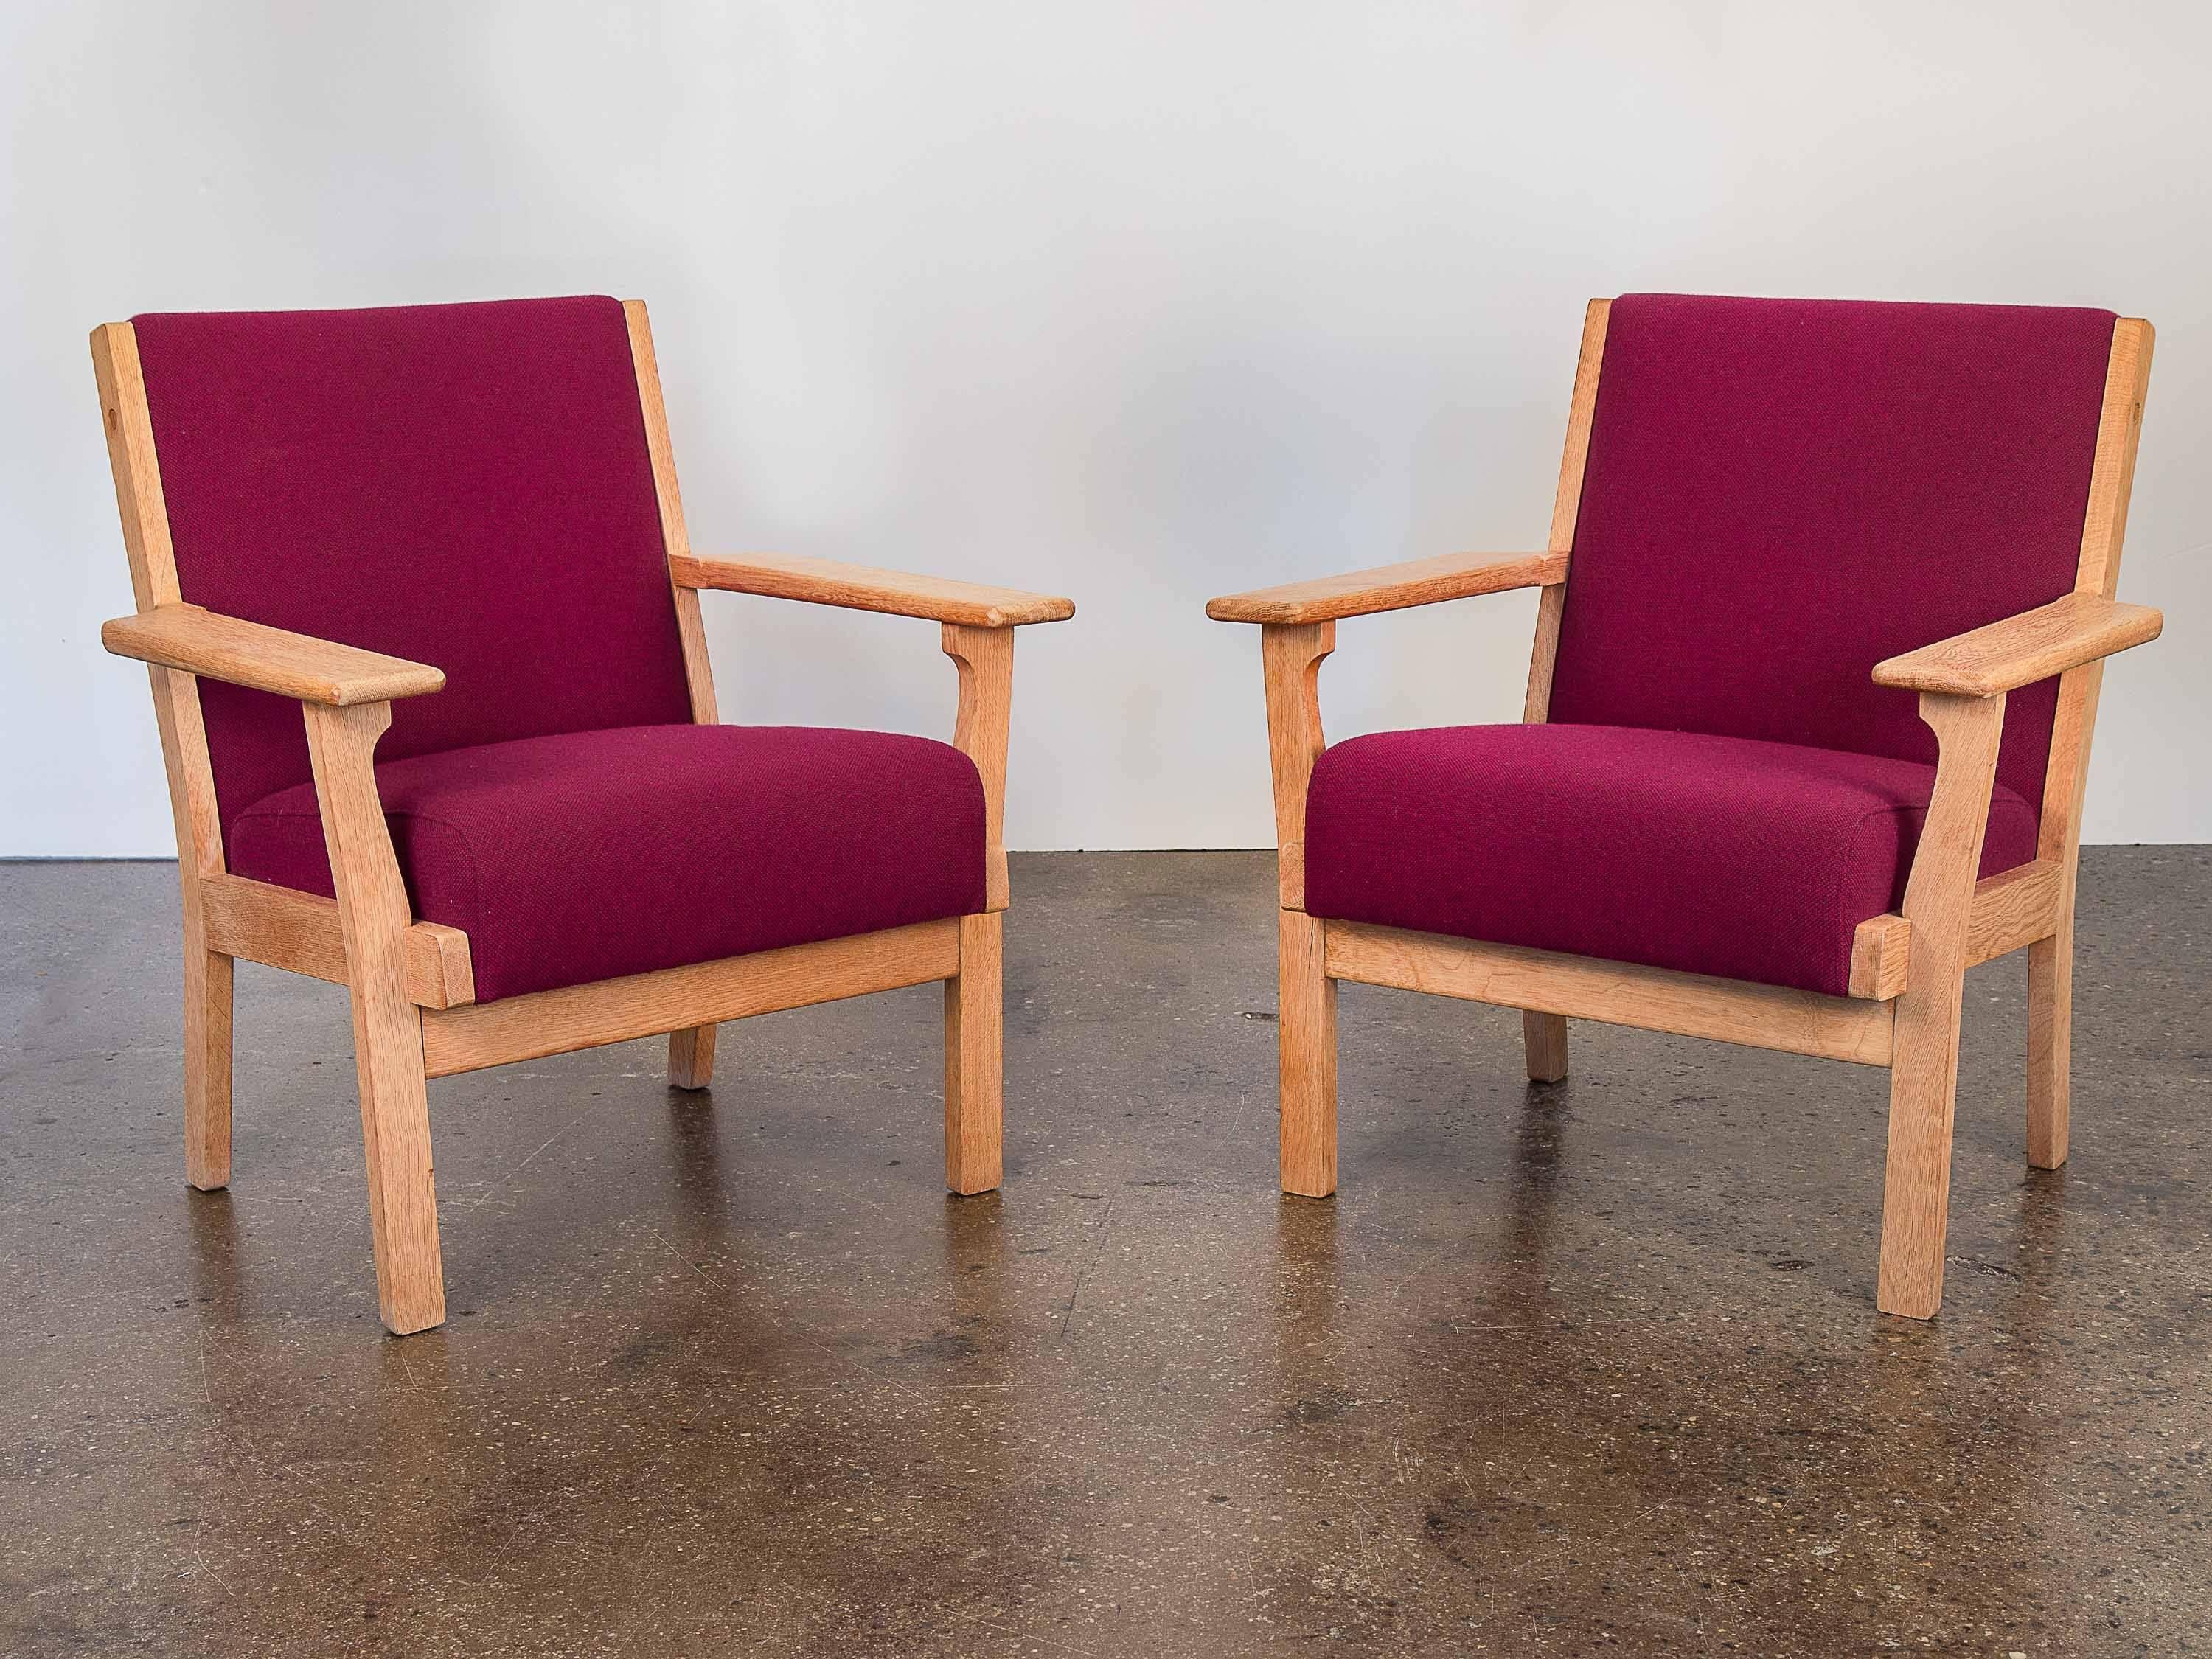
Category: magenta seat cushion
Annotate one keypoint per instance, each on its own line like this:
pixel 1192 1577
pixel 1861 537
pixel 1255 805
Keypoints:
pixel 1781 492
pixel 1718 855
pixel 464 485
pixel 586 855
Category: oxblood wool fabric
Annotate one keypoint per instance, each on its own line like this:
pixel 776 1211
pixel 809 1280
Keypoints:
pixel 587 855
pixel 1781 492
pixel 464 485
pixel 1718 855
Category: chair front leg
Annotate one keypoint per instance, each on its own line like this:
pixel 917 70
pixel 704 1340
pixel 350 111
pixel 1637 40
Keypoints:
pixel 974 1059
pixel 387 1027
pixel 1305 1014
pixel 975 998
pixel 1305 1005
pixel 1925 1049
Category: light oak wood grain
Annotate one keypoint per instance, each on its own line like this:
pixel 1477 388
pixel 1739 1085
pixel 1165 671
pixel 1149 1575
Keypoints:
pixel 2051 960
pixel 1291 659
pixel 984 657
pixel 1939 900
pixel 1882 957
pixel 1388 587
pixel 208 1012
pixel 219 648
pixel 2012 908
pixel 1619 993
pixel 387 1027
pixel 974 1059
pixel 1305 1036
pixel 860 587
pixel 2034 645
pixel 138 495
pixel 691 1057
pixel 301 932
pixel 1566 509
pixel 675 540
pixel 152 556
pixel 2112 475
pixel 1544 1046
pixel 690 1052
pixel 647 1005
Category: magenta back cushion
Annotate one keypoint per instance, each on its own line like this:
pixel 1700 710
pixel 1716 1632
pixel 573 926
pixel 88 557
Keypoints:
pixel 1781 492
pixel 464 485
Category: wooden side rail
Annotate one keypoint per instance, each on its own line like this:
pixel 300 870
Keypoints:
pixel 2011 910
pixel 645 1004
pixel 1619 993
pixel 299 932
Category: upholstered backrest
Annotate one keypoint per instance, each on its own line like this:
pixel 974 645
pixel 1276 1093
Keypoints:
pixel 466 485
pixel 1781 492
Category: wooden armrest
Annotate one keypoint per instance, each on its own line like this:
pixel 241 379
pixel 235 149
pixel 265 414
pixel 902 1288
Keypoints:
pixel 1391 587
pixel 2003 656
pixel 858 587
pixel 221 648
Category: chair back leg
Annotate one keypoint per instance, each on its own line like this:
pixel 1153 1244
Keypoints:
pixel 1544 1037
pixel 1306 1029
pixel 691 1057
pixel 974 1059
pixel 2049 1043
pixel 207 1057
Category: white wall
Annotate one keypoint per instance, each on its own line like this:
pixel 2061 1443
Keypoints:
pixel 1137 303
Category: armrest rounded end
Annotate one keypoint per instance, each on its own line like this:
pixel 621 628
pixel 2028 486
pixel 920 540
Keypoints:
pixel 2003 656
pixel 263 659
pixel 1390 587
pixel 1030 608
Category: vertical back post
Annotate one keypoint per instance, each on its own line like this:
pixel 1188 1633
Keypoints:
pixel 2066 774
pixel 690 1051
pixel 130 457
pixel 1544 1037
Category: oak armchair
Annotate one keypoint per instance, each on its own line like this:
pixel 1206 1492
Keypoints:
pixel 1725 814
pixel 427 661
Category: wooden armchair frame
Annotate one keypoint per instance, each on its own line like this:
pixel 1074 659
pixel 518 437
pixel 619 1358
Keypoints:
pixel 415 1016
pixel 1907 970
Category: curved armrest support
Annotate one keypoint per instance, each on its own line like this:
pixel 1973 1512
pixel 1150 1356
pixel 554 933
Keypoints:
pixel 1291 658
pixel 299 665
pixel 985 660
pixel 1390 587
pixel 859 587
pixel 2003 656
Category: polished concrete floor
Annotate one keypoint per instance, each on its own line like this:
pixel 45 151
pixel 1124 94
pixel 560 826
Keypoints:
pixel 1589 1369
